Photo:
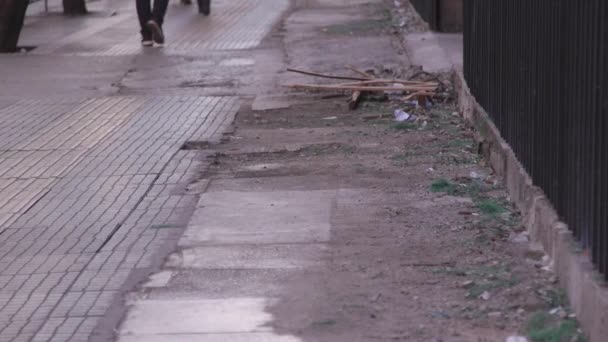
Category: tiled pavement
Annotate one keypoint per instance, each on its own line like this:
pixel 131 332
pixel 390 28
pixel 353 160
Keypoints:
pixel 89 197
pixel 233 25
pixel 93 185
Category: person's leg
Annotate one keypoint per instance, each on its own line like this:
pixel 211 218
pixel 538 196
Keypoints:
pixel 144 13
pixel 158 13
pixel 156 22
pixel 204 7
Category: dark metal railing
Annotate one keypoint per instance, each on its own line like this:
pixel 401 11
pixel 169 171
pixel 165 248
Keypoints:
pixel 540 69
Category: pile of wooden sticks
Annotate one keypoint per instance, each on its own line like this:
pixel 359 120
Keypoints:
pixel 419 90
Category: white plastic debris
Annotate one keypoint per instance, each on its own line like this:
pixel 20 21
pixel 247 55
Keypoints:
pixel 401 116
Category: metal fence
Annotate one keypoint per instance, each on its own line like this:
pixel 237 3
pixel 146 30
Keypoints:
pixel 540 69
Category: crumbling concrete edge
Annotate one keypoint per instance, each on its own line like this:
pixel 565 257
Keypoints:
pixel 585 288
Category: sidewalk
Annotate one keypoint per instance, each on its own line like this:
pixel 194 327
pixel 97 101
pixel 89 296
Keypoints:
pixel 93 177
pixel 316 224
pixel 183 194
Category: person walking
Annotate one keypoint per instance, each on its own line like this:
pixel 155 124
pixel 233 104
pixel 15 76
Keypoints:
pixel 151 21
pixel 204 6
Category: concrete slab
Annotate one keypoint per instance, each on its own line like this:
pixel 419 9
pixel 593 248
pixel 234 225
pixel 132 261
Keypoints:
pixel 270 102
pixel 237 62
pixel 233 315
pixel 452 44
pixel 253 256
pixel 424 50
pixel 225 283
pixel 261 217
pixel 232 337
pixel 160 279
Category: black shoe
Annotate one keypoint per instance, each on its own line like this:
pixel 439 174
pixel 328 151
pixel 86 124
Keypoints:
pixel 146 39
pixel 186 2
pixel 157 32
pixel 204 7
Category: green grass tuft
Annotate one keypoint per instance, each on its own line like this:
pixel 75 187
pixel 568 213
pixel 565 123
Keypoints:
pixel 404 126
pixel 490 207
pixel 443 185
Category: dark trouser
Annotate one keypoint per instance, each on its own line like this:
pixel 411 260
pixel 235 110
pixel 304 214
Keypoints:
pixel 145 13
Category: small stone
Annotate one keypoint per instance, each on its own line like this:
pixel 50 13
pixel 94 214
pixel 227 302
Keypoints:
pixel 375 297
pixel 555 311
pixel 495 314
pixel 572 316
pixel 468 284
pixel 516 339
pixel 520 312
pixel 485 295
pixel 553 279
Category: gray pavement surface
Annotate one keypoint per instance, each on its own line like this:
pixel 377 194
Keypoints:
pixel 93 177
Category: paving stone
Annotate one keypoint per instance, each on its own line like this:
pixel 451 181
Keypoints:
pixel 197 316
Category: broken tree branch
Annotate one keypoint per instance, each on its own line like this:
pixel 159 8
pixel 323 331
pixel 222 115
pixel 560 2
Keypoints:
pixel 385 81
pixel 326 76
pixel 360 72
pixel 426 90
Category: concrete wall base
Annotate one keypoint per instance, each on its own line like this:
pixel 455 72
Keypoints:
pixel 586 289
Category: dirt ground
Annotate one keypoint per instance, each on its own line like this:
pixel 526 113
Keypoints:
pixel 426 246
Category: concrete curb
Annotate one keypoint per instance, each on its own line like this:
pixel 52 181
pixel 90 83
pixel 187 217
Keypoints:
pixel 586 289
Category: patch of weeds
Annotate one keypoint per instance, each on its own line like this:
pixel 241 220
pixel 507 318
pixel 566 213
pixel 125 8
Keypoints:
pixel 460 272
pixel 404 126
pixel 538 321
pixel 542 327
pixel 443 185
pixel 459 143
pixel 489 285
pixel 472 188
pixel 557 297
pixel 321 149
pixel 358 26
pixel 490 207
pixel 470 313
pixel 457 159
pixel 400 156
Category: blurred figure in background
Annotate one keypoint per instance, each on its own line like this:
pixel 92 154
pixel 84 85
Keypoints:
pixel 204 6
